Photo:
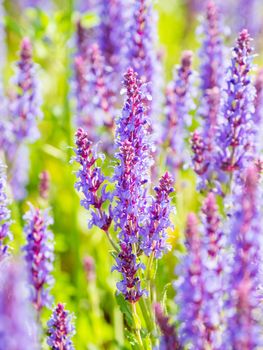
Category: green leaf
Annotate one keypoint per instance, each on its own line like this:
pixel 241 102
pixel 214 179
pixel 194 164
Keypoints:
pixel 125 309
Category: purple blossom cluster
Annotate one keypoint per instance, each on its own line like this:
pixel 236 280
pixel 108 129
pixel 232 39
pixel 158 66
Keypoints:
pixel 39 256
pixel 60 329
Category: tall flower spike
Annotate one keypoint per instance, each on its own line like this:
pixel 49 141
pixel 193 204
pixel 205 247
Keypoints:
pixel 17 323
pixel 93 91
pixel 213 267
pixel 132 172
pixel 61 329
pixel 44 183
pixel 39 256
pixel 244 309
pixel 5 221
pixel 91 181
pixel 190 289
pixel 235 134
pixel 131 176
pixel 144 58
pixel 154 239
pixel 169 340
pixel 179 104
pixel 25 107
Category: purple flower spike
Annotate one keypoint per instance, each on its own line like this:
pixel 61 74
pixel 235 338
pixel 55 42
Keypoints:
pixel 61 329
pixel 25 107
pixel 17 324
pixel 5 220
pixel 179 104
pixel 154 238
pixel 132 173
pixel 126 264
pixel 212 303
pixel 244 309
pixel 199 150
pixel 39 256
pixel 169 340
pixel 211 54
pixel 190 289
pixel 93 91
pixel 235 136
pixel 89 268
pixel 91 181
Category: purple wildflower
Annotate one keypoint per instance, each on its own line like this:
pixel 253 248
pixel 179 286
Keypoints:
pixel 39 256
pixel 244 324
pixel 93 91
pixel 211 53
pixel 199 150
pixel 144 58
pixel 17 324
pixel 154 239
pixel 169 340
pixel 190 289
pixel 132 172
pixel 44 184
pixel 91 181
pixel 25 107
pixel 5 221
pixel 179 104
pixel 131 176
pixel 235 134
pixel 212 260
pixel 60 329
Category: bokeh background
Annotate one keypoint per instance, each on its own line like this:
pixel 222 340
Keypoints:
pixel 51 27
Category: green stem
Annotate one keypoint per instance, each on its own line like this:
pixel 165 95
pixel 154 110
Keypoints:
pixel 137 324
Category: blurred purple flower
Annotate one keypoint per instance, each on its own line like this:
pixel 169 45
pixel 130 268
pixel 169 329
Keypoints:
pixel 169 340
pixel 213 268
pixel 179 103
pixel 154 238
pixel 5 216
pixel 190 289
pixel 91 181
pixel 235 135
pixel 39 256
pixel 258 115
pixel 243 308
pixel 44 184
pixel 17 324
pixel 89 268
pixel 61 329
pixel 25 106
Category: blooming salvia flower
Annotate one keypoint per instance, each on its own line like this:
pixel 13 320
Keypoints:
pixel 132 172
pixel 179 104
pixel 236 129
pixel 61 329
pixel 17 323
pixel 154 238
pixel 131 177
pixel 39 256
pixel 190 289
pixel 168 340
pixel 213 267
pixel 244 309
pixel 5 221
pixel 91 181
